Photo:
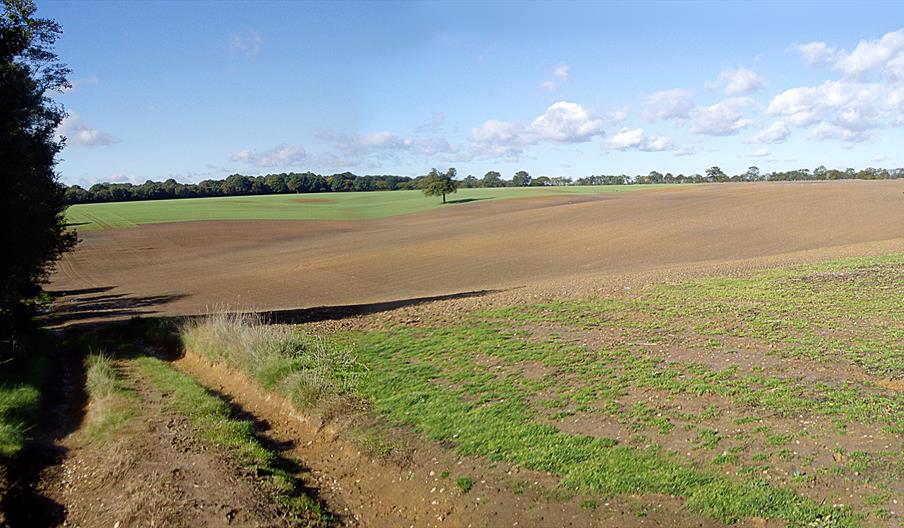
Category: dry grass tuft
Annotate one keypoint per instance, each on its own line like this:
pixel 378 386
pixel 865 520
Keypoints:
pixel 305 368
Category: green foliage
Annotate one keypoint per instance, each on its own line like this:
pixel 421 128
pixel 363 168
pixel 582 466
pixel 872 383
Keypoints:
pixel 32 197
pixel 439 184
pixel 464 484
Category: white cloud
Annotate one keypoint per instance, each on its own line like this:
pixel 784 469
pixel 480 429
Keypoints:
pixel 776 133
pixel 841 105
pixel 721 119
pixel 567 123
pixel 79 133
pixel 817 53
pixel 825 131
pixel 562 75
pixel 873 55
pixel 562 122
pixel 737 81
pixel 667 104
pixel 248 43
pixel 281 156
pixel 636 139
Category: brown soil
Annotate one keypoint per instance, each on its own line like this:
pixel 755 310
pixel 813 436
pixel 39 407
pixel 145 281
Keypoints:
pixel 547 247
pixel 154 472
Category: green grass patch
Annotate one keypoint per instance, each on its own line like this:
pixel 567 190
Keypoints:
pixel 490 416
pixel 21 382
pixel 317 206
pixel 111 404
pixel 212 417
pixel 464 484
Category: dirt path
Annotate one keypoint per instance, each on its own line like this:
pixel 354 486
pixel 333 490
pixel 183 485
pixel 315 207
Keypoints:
pixel 155 471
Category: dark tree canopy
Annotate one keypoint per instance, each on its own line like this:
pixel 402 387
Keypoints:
pixel 439 184
pixel 32 201
pixel 521 179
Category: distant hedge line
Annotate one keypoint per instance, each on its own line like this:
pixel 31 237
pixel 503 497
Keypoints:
pixel 308 182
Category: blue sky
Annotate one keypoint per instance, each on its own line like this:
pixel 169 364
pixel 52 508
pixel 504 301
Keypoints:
pixel 196 90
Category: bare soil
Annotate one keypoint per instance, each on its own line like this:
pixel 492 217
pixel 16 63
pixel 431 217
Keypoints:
pixel 154 472
pixel 542 247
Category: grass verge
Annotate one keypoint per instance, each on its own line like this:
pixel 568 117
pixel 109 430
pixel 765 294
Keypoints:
pixel 212 417
pixel 21 382
pixel 111 404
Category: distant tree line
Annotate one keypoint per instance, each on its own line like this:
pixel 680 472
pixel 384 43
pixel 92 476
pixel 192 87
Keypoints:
pixel 308 182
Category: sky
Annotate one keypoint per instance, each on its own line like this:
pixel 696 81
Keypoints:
pixel 200 90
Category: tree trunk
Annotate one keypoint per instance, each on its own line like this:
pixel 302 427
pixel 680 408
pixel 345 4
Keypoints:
pixel 444 197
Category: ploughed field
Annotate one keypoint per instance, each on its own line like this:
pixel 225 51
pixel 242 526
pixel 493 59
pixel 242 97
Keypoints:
pixel 560 240
pixel 679 356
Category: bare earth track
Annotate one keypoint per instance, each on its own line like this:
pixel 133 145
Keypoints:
pixel 558 245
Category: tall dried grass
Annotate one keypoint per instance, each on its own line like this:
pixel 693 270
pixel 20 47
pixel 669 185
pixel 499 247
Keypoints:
pixel 306 368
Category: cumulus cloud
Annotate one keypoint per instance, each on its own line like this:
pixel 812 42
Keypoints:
pixel 280 156
pixel 841 105
pixel 737 81
pixel 826 130
pixel 721 119
pixel 885 54
pixel 775 133
pixel 636 139
pixel 77 132
pixel 667 104
pixel 817 53
pixel 567 123
pixel 562 122
pixel 247 44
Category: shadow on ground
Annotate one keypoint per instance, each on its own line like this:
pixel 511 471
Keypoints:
pixel 98 305
pixel 335 313
pixel 27 503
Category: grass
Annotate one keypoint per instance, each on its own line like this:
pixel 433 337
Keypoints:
pixel 317 206
pixel 300 367
pixel 212 417
pixel 111 405
pixel 465 386
pixel 21 382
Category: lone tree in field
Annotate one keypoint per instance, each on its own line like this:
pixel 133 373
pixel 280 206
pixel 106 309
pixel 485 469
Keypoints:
pixel 438 184
pixel 33 201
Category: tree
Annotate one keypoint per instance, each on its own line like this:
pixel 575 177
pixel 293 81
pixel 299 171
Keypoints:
pixel 521 179
pixel 752 174
pixel 33 200
pixel 492 179
pixel 715 174
pixel 439 184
